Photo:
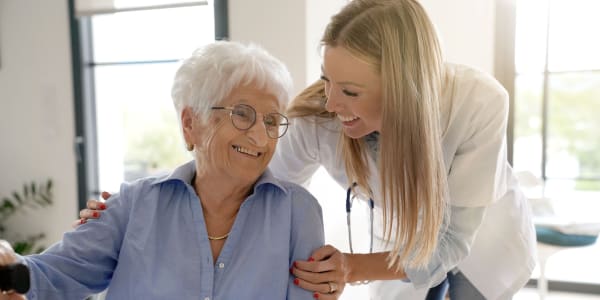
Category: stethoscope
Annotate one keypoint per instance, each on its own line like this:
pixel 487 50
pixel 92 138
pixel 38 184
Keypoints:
pixel 349 200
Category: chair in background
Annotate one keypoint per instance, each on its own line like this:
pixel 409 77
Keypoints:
pixel 553 233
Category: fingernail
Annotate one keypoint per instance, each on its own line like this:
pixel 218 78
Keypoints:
pixel 102 206
pixel 81 221
pixel 95 214
pixel 296 281
pixel 311 259
pixel 291 270
pixel 316 295
pixel 295 265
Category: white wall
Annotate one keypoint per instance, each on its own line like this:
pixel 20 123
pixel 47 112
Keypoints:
pixel 276 25
pixel 289 29
pixel 466 30
pixel 36 110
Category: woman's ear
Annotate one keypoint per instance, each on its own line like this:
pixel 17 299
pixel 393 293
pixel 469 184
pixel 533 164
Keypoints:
pixel 188 118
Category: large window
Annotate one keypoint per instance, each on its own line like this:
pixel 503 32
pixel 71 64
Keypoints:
pixel 129 58
pixel 557 129
pixel 557 93
pixel 135 59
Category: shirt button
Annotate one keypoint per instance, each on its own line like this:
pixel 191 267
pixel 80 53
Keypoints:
pixel 221 265
pixel 206 298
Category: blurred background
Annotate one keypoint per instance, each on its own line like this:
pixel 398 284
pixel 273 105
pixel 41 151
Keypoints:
pixel 85 103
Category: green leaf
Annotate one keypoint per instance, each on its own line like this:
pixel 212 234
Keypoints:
pixel 9 206
pixel 49 185
pixel 33 188
pixel 47 200
pixel 17 197
pixel 25 191
pixel 22 247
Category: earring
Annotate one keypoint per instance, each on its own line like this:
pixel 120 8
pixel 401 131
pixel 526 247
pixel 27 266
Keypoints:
pixel 190 147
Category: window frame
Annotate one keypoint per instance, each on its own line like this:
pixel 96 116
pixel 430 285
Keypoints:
pixel 84 94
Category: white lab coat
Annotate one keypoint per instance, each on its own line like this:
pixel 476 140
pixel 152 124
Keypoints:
pixel 502 256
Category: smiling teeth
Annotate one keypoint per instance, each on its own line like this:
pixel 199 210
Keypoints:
pixel 347 119
pixel 246 151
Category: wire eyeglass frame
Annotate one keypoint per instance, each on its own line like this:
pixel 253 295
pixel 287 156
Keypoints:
pixel 236 112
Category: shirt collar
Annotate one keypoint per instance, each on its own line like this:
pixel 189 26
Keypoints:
pixel 185 173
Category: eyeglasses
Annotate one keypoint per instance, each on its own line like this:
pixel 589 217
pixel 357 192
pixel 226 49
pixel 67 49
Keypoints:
pixel 243 117
pixel 349 201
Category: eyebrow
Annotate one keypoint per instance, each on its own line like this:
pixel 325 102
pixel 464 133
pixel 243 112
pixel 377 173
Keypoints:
pixel 343 82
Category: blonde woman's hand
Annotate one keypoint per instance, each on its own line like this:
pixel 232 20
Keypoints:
pixel 93 210
pixel 7 257
pixel 325 273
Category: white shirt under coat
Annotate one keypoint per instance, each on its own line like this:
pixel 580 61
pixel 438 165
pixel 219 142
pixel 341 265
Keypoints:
pixel 491 237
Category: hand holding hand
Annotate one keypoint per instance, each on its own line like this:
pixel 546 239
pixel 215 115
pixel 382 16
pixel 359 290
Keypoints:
pixel 325 273
pixel 94 207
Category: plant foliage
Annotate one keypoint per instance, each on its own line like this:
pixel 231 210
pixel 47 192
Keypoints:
pixel 32 196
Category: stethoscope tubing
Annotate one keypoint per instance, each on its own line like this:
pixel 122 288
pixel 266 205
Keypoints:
pixel 349 218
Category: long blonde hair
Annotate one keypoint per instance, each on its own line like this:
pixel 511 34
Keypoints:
pixel 399 40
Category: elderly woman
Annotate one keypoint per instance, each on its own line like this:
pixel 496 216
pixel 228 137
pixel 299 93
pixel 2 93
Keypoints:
pixel 218 227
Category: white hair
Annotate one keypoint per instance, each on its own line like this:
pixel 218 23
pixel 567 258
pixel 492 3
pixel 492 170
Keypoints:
pixel 213 71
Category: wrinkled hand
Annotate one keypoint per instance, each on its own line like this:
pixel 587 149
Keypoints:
pixel 93 210
pixel 7 254
pixel 325 273
pixel 7 257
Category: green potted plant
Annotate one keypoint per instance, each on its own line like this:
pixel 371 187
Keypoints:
pixel 32 196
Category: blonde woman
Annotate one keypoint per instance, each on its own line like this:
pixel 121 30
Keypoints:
pixel 425 140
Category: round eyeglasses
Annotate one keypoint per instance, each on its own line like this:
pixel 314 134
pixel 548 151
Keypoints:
pixel 243 117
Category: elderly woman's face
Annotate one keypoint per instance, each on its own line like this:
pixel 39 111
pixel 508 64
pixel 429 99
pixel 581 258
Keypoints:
pixel 232 152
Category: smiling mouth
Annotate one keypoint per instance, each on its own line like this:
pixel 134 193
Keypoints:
pixel 347 119
pixel 246 151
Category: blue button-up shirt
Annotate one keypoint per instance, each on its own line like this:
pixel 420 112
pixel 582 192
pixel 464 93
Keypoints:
pixel 152 243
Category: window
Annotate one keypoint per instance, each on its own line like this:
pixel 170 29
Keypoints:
pixel 557 101
pixel 128 127
pixel 558 93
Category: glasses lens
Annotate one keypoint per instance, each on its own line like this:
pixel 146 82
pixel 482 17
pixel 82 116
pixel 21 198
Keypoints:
pixel 276 125
pixel 243 116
